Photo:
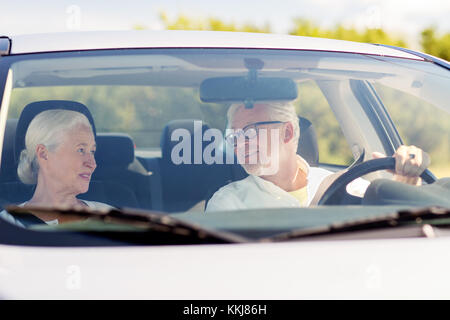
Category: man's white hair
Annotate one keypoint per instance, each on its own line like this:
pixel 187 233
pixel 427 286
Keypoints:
pixel 48 128
pixel 277 111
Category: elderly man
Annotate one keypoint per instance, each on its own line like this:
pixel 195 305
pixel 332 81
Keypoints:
pixel 278 177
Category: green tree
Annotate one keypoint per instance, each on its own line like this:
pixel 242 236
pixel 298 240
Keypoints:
pixel 183 22
pixel 435 45
pixel 431 42
pixel 303 27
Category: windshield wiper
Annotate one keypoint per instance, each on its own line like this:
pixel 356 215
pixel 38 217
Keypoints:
pixel 141 226
pixel 428 216
pixel 157 228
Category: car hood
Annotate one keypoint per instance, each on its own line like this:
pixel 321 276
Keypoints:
pixel 364 269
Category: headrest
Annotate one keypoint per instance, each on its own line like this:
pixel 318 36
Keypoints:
pixel 114 149
pixel 33 109
pixel 307 144
pixel 190 126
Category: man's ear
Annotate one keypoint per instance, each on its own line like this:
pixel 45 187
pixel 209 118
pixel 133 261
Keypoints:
pixel 41 153
pixel 288 132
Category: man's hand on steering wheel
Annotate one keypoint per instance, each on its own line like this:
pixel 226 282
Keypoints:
pixel 406 164
pixel 410 162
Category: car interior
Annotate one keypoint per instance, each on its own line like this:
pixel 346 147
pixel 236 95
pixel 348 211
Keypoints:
pixel 123 179
pixel 176 85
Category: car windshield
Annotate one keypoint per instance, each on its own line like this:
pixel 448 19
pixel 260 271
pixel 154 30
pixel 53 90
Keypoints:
pixel 166 141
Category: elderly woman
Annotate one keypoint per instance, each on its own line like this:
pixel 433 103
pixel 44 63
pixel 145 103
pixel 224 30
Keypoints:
pixel 59 159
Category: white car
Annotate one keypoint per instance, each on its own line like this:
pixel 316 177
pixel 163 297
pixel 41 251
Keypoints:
pixel 158 102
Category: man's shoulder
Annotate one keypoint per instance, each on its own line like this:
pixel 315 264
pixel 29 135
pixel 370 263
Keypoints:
pixel 234 186
pixel 319 172
pixel 229 197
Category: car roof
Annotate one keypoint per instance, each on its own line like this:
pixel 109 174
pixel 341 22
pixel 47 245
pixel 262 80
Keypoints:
pixel 91 40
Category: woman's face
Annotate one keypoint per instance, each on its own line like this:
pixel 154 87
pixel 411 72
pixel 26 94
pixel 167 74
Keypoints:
pixel 71 164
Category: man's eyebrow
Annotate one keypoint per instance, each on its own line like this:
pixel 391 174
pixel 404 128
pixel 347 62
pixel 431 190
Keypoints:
pixel 84 144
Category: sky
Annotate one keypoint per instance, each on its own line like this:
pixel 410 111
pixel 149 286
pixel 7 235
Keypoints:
pixel 404 18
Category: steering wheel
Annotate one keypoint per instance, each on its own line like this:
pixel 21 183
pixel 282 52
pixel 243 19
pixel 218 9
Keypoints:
pixel 337 187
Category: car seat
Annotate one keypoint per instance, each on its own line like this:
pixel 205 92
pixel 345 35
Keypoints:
pixel 185 185
pixel 114 155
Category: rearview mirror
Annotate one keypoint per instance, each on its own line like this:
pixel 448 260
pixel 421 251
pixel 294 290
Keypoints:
pixel 242 89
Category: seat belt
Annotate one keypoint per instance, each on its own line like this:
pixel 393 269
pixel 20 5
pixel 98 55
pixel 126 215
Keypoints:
pixel 27 220
pixel 324 185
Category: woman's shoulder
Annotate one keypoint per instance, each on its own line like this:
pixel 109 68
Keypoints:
pixel 5 215
pixel 97 205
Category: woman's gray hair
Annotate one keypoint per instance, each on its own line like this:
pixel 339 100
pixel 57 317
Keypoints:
pixel 47 128
pixel 277 111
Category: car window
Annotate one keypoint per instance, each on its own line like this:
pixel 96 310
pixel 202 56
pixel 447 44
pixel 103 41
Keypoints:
pixel 312 104
pixel 413 120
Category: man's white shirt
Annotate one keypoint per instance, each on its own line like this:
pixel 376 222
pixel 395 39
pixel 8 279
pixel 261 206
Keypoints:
pixel 254 192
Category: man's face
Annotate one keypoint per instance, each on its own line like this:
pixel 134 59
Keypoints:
pixel 257 147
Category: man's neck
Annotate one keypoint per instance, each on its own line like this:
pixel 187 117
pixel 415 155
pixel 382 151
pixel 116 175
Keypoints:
pixel 290 176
